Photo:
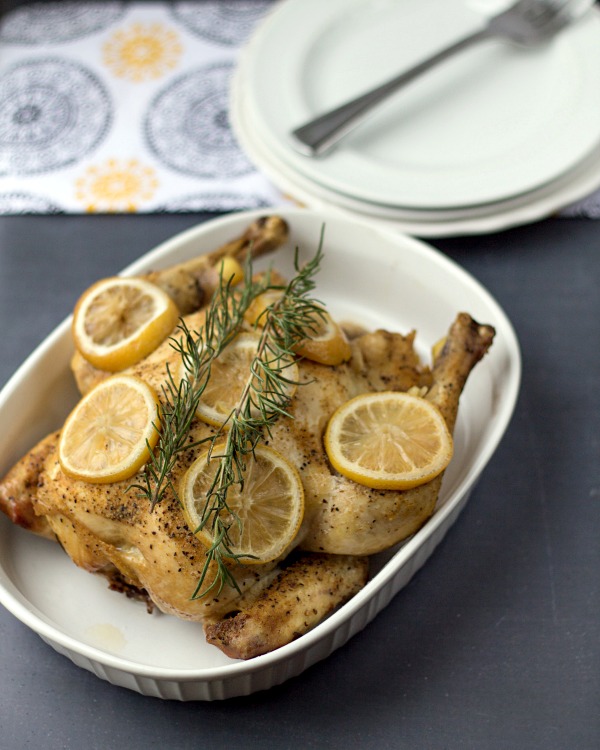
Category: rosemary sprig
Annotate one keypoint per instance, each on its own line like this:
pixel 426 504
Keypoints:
pixel 265 398
pixel 197 351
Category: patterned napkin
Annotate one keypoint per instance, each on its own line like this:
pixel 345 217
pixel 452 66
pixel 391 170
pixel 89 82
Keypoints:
pixel 113 107
pixel 122 107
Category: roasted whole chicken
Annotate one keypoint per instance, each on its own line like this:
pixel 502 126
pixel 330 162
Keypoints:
pixel 151 553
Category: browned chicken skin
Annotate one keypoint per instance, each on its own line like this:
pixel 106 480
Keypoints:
pixel 299 598
pixel 110 530
pixel 191 284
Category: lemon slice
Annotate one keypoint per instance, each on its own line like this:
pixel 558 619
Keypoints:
pixel 270 507
pixel 326 344
pixel 230 271
pixel 256 314
pixel 436 349
pixel 229 375
pixel 388 440
pixel 117 322
pixel 111 431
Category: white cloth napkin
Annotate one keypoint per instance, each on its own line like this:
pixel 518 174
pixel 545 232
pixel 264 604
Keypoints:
pixel 123 107
pixel 113 107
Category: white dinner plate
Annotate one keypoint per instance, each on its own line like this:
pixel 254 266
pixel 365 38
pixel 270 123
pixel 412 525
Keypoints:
pixel 371 276
pixel 492 123
pixel 575 184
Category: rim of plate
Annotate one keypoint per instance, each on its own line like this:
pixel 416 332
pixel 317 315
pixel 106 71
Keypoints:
pixel 277 107
pixel 574 185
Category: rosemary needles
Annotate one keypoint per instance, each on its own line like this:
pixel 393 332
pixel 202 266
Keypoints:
pixel 265 398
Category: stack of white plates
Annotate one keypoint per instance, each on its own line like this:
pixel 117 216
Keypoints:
pixel 495 137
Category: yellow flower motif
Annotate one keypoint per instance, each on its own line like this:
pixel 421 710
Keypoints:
pixel 118 185
pixel 142 52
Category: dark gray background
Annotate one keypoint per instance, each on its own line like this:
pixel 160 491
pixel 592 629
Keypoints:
pixel 495 642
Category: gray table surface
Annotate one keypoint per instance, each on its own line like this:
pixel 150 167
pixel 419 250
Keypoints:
pixel 494 644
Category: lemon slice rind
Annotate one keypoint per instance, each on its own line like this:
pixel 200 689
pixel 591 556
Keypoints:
pixel 230 372
pixel 328 345
pixel 388 440
pixel 119 321
pixel 270 508
pixel 109 434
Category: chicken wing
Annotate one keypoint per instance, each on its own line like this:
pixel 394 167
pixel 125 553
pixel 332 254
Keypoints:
pixel 191 284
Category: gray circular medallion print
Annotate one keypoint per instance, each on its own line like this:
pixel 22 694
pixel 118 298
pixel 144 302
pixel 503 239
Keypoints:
pixel 213 202
pixel 52 113
pixel 25 203
pixel 187 126
pixel 54 22
pixel 227 22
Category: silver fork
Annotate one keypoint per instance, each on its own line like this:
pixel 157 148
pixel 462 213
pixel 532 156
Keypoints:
pixel 527 22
